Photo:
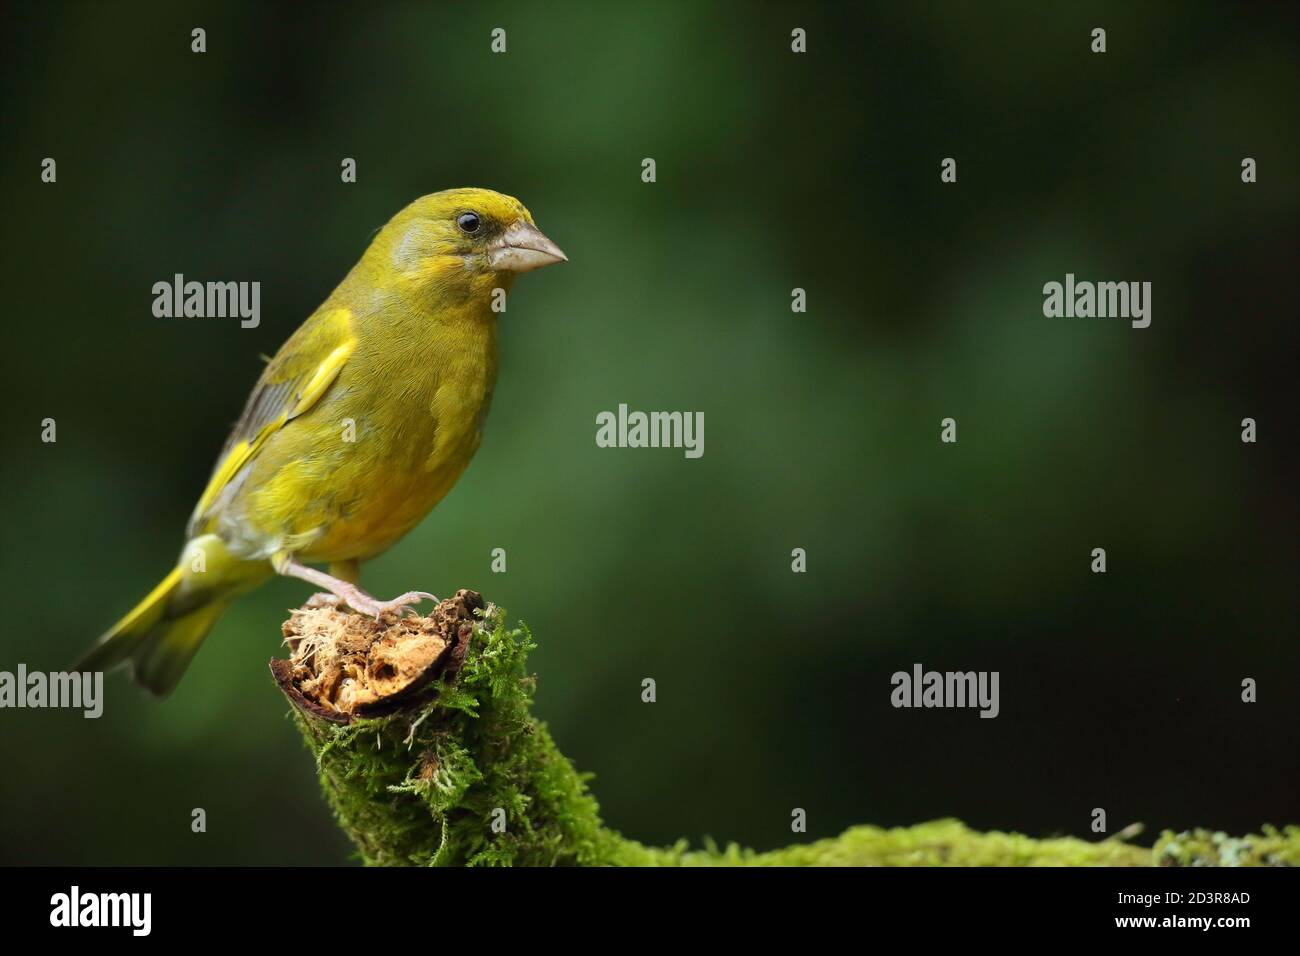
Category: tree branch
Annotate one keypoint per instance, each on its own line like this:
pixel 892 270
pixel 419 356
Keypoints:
pixel 428 753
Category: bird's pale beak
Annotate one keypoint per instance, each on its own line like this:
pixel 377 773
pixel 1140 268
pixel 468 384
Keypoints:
pixel 523 248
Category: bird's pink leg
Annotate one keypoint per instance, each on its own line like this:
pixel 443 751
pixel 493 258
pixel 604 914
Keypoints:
pixel 345 592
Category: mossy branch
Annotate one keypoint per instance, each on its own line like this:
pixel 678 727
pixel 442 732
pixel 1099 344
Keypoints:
pixel 428 753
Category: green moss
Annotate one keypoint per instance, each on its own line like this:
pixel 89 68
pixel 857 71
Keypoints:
pixel 1273 847
pixel 938 843
pixel 425 786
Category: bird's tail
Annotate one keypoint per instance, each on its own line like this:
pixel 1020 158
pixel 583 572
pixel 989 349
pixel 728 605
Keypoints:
pixel 160 636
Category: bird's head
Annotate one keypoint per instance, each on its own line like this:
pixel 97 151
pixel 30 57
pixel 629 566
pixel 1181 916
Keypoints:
pixel 465 241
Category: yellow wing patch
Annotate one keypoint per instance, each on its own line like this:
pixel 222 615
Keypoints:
pixel 290 385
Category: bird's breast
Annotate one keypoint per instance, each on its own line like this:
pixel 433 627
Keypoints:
pixel 385 446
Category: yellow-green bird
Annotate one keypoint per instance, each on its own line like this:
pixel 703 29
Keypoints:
pixel 361 423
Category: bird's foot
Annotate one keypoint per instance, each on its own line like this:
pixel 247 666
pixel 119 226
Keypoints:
pixel 401 604
pixel 344 592
pixel 364 603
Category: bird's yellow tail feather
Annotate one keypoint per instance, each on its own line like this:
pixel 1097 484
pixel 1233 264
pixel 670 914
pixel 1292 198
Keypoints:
pixel 156 637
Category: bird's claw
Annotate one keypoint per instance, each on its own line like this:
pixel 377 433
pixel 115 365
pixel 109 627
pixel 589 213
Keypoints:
pixel 401 604
pixel 344 593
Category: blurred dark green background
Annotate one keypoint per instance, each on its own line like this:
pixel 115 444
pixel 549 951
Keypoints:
pixel 822 430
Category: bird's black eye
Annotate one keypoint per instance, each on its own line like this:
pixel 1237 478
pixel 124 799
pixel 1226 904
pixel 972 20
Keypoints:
pixel 469 222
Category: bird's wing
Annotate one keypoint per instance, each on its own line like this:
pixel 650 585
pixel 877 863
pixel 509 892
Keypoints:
pixel 292 382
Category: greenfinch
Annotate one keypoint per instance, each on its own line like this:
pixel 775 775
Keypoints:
pixel 358 426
